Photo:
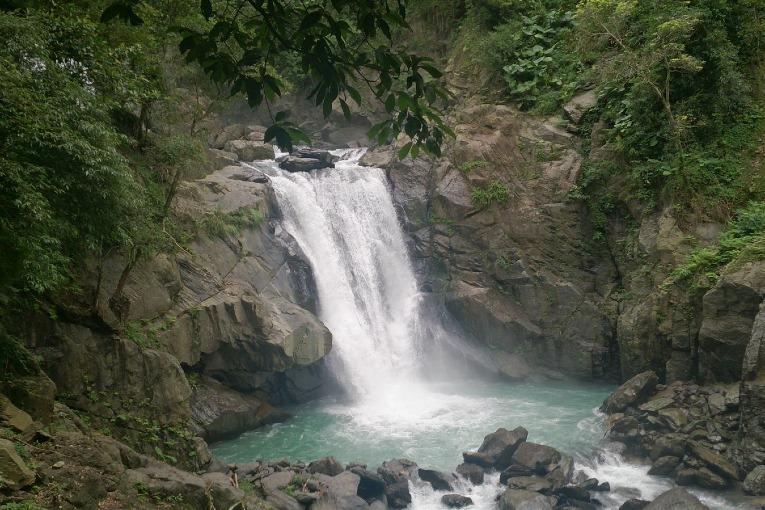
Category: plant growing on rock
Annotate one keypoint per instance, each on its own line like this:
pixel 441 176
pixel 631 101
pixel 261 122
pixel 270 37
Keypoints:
pixel 495 192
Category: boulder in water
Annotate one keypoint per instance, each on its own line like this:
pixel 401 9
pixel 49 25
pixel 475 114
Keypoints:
pixel 500 445
pixel 664 466
pixel 247 150
pixel 481 459
pixel 325 157
pixel 676 499
pixel 396 470
pixel 296 164
pixel 540 458
pixel 702 477
pixel 439 480
pixel 525 500
pixel 472 472
pixel 513 471
pixel 632 393
pixel 398 494
pixel 456 501
pixel 634 504
pixel 529 483
pixel 326 465
pixel 371 485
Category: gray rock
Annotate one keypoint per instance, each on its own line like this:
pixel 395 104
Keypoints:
pixel 676 499
pixel 13 417
pixel 279 500
pixel 472 472
pixel 296 164
pixel 481 459
pixel 396 470
pixel 632 393
pixel 529 483
pixel 14 472
pixel 579 104
pixel 398 494
pixel 326 465
pixel 277 481
pixel 228 133
pixel 715 462
pixel 525 500
pixel 664 466
pixel 325 157
pixel 665 446
pixel 752 398
pixel 456 501
pixel 635 504
pixel 247 150
pixel 439 480
pixel 499 446
pixel 513 471
pixel 754 483
pixel 702 477
pixel 371 485
pixel 540 458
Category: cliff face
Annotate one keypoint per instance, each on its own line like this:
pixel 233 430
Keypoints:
pixel 208 336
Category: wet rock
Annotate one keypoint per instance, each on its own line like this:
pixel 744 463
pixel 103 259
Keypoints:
pixel 14 472
pixel 282 501
pixel 247 150
pixel 439 480
pixel 676 499
pixel 251 175
pixel 702 477
pixel 754 483
pixel 396 470
pixel 341 493
pixel 482 459
pixel 371 485
pixel 589 484
pixel 573 492
pixel 664 466
pixel 398 494
pixel 561 473
pixel 513 471
pixel 603 487
pixel 296 164
pixel 456 501
pixel 525 500
pixel 540 458
pixel 530 483
pixel 500 445
pixel 635 504
pixel 632 393
pixel 277 481
pixel 668 446
pixel 715 462
pixel 472 472
pixel 326 465
pixel 325 157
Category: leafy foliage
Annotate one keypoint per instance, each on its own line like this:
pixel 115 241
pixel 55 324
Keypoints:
pixel 342 45
pixel 494 192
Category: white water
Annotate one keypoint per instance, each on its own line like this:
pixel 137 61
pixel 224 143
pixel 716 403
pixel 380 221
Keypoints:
pixel 345 222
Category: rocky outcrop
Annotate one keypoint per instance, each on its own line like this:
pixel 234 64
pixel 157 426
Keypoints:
pixel 751 441
pixel 247 150
pixel 631 393
pixel 521 276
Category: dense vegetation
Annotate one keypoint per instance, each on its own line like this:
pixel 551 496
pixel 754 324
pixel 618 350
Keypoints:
pixel 105 107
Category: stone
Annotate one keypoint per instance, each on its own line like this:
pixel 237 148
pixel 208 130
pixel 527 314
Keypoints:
pixel 228 133
pixel 325 157
pixel 561 473
pixel 500 445
pixel 715 462
pixel 296 164
pixel 472 472
pixel 35 394
pixel 14 473
pixel 676 499
pixel 58 465
pixel 220 159
pixel 657 404
pixel 455 501
pixel 632 393
pixel 247 150
pixel 279 500
pixel 277 481
pixel 754 483
pixel 672 446
pixel 524 500
pixel 396 470
pixel 326 465
pixel 513 471
pixel 13 417
pixel 529 483
pixel 701 477
pixel 398 494
pixel 371 485
pixel 752 397
pixel 664 466
pixel 579 104
pixel 540 458
pixel 439 480
pixel 603 487
pixel 635 504
pixel 251 175
pixel 481 459
pixel 221 412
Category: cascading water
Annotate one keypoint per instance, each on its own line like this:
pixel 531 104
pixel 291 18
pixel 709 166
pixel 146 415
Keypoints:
pixel 345 222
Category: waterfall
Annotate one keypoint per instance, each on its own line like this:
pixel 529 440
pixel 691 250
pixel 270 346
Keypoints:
pixel 345 221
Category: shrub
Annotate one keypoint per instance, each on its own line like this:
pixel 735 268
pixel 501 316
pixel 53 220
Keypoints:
pixel 496 191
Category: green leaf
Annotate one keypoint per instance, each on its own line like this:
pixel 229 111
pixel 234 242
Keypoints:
pixel 403 151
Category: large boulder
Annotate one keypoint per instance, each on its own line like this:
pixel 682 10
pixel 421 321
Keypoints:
pixel 35 394
pixel 751 447
pixel 439 480
pixel 514 499
pixel 472 472
pixel 455 501
pixel 499 446
pixel 220 412
pixel 326 466
pixel 13 417
pixel 247 150
pixel 632 393
pixel 715 462
pixel 298 164
pixel 542 459
pixel 754 483
pixel 579 104
pixel 676 499
pixel 14 473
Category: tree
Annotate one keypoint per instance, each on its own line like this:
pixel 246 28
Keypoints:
pixel 342 45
